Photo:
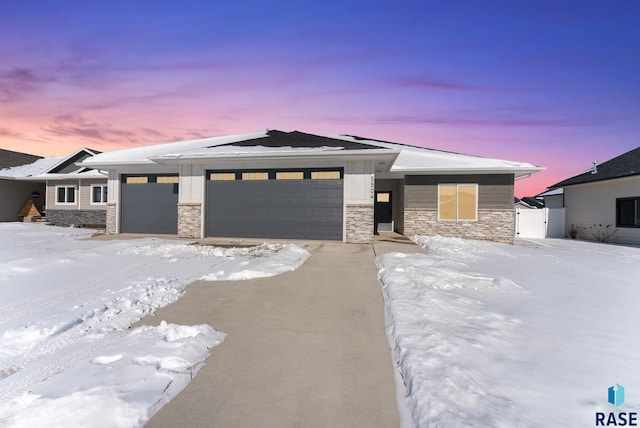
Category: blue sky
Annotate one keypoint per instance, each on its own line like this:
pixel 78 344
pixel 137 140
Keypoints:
pixel 555 83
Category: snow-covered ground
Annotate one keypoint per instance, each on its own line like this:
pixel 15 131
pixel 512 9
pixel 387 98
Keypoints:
pixel 67 356
pixel 492 335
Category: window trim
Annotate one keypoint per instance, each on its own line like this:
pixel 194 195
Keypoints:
pixel 636 211
pixel 458 219
pixel 103 193
pixel 66 193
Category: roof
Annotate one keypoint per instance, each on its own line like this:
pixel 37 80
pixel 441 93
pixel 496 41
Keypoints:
pixel 274 143
pixel 625 165
pixel 68 164
pixel 56 168
pixel 431 161
pixel 532 202
pixel 552 192
pixel 297 139
pixel 9 158
pixel 31 169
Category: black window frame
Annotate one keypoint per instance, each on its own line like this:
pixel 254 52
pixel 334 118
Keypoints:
pixel 636 212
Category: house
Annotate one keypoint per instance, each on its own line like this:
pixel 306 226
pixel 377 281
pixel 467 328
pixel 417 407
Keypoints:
pixel 75 195
pixel 528 202
pixel 14 193
pixel 605 197
pixel 294 185
pixel 553 198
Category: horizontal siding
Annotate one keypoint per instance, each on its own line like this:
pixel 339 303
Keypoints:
pixel 496 196
pixel 495 191
pixel 422 196
pixel 595 203
pixel 83 197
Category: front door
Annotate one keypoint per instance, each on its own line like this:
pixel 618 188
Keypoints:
pixel 382 213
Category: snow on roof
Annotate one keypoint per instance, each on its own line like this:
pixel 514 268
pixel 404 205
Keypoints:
pixel 422 159
pixel 90 173
pixel 411 158
pixel 553 192
pixel 36 168
pixel 142 155
pixel 239 150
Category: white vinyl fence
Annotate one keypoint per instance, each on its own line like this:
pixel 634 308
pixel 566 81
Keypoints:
pixel 540 223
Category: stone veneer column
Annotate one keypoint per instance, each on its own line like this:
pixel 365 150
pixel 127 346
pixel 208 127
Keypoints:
pixel 112 211
pixel 496 225
pixel 190 220
pixel 359 224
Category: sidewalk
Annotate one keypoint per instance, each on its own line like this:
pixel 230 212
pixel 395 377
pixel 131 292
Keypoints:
pixel 304 349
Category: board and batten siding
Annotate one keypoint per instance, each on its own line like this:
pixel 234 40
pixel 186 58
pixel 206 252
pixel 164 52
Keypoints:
pixel 83 195
pixel 595 203
pixel 495 191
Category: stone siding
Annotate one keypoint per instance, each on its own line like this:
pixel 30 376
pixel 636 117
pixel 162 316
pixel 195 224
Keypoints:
pixel 112 213
pixel 190 220
pixel 77 217
pixel 359 224
pixel 496 225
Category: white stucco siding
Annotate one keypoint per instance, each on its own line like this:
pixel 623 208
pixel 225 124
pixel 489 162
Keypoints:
pixel 359 183
pixel 192 183
pixel 113 187
pixel 595 203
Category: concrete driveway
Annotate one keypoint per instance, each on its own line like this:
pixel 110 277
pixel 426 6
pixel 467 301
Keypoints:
pixel 304 349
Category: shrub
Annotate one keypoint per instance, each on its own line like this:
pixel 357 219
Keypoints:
pixel 573 231
pixel 602 233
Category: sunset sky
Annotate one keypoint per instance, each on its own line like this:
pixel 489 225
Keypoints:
pixel 554 83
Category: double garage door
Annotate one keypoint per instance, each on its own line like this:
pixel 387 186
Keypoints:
pixel 287 204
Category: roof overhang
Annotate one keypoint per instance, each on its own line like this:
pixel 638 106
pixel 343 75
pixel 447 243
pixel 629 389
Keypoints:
pixel 370 154
pixel 517 172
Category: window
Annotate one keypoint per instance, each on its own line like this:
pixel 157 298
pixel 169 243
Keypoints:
pixel 65 195
pixel 222 176
pixel 98 194
pixel 255 175
pixel 167 179
pixel 325 175
pixel 289 175
pixel 137 180
pixel 628 212
pixel 458 202
pixel 383 197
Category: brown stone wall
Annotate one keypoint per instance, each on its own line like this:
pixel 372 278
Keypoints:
pixel 189 220
pixel 359 224
pixel 112 210
pixel 496 225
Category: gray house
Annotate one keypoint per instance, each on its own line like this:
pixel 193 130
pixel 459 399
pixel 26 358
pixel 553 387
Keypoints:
pixel 13 192
pixel 294 185
pixel 606 195
pixel 75 195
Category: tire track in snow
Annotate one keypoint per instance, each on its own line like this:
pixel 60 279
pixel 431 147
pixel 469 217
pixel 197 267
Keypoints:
pixel 45 300
pixel 67 361
pixel 80 327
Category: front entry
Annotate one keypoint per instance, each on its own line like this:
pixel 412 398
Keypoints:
pixel 383 213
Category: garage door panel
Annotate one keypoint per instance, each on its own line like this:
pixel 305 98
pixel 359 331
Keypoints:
pixel 288 209
pixel 149 208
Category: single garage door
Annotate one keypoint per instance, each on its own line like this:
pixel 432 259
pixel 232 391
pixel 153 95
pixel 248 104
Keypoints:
pixel 287 204
pixel 149 204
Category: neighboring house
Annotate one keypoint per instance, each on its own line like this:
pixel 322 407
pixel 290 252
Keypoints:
pixel 552 198
pixel 294 185
pixel 607 195
pixel 14 193
pixel 75 195
pixel 528 202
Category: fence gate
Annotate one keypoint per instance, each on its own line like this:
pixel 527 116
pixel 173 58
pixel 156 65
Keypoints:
pixel 540 223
